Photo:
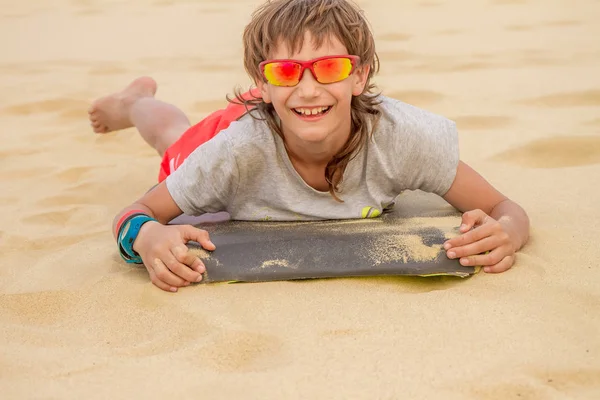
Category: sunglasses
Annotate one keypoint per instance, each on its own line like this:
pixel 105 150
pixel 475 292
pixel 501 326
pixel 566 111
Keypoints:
pixel 328 69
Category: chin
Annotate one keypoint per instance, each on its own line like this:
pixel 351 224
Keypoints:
pixel 311 135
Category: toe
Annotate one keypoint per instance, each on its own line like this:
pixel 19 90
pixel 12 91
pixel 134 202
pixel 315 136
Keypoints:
pixel 97 128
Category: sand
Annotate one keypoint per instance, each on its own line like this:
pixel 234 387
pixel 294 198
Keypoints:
pixel 519 77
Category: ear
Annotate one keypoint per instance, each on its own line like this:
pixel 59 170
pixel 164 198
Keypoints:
pixel 264 90
pixel 360 80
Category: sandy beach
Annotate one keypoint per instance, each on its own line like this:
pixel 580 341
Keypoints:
pixel 521 78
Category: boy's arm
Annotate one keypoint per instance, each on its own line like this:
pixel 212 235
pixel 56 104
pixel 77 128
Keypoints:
pixel 491 223
pixel 157 203
pixel 162 249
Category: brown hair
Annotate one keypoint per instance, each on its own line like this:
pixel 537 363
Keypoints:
pixel 286 21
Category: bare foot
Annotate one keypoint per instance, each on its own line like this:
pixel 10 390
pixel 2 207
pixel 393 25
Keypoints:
pixel 111 113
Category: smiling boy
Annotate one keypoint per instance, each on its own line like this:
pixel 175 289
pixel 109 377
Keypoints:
pixel 311 142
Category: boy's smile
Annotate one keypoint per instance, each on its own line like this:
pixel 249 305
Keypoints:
pixel 312 113
pixel 315 117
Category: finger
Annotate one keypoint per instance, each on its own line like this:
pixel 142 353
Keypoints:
pixel 187 257
pixel 482 260
pixel 198 266
pixel 158 283
pixel 197 235
pixel 182 263
pixel 471 219
pixel 504 265
pixel 165 274
pixel 479 233
pixel 471 249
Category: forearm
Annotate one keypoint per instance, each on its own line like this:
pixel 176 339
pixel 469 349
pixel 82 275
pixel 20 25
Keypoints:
pixel 157 203
pixel 515 221
pixel 134 207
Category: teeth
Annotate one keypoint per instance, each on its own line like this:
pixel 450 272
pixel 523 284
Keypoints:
pixel 310 111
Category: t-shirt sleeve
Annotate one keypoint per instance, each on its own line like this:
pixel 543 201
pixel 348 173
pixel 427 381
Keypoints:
pixel 426 151
pixel 207 180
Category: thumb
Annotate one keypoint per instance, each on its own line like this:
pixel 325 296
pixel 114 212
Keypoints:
pixel 197 235
pixel 470 219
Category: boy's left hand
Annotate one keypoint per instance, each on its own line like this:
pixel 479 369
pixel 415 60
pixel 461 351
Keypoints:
pixel 483 242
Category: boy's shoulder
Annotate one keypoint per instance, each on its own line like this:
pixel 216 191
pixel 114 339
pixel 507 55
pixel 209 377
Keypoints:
pixel 248 137
pixel 247 130
pixel 398 117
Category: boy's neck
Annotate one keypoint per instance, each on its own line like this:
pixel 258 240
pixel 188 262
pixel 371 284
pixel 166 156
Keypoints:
pixel 314 154
pixel 310 161
pixel 309 157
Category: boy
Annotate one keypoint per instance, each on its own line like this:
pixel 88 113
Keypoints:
pixel 311 142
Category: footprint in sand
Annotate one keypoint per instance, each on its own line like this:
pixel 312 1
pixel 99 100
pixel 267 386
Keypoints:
pixel 481 122
pixel 585 98
pixel 74 174
pixel 65 108
pixel 24 173
pixel 556 152
pixel 243 352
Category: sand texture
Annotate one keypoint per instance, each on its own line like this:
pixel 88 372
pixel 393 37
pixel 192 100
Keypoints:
pixel 522 80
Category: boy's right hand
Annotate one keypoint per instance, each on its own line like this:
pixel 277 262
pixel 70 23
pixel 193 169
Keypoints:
pixel 167 258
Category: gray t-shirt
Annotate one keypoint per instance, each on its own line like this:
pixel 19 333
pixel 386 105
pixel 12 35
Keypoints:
pixel 246 171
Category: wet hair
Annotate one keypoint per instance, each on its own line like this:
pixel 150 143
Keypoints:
pixel 286 22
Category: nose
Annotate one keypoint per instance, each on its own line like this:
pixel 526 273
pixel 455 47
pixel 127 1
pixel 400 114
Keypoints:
pixel 308 85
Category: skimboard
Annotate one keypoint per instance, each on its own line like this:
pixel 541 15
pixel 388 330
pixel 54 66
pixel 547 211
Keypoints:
pixel 406 241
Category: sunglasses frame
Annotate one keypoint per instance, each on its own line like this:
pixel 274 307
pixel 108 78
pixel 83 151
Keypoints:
pixel 310 66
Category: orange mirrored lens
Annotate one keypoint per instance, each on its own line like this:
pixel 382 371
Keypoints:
pixel 332 69
pixel 283 73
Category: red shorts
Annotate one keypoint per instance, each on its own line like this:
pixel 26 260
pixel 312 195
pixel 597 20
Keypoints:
pixel 199 134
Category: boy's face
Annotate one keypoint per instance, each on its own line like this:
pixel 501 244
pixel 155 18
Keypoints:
pixel 332 126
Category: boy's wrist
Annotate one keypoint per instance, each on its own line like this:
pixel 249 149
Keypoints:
pixel 141 232
pixel 128 234
pixel 511 229
pixel 124 217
